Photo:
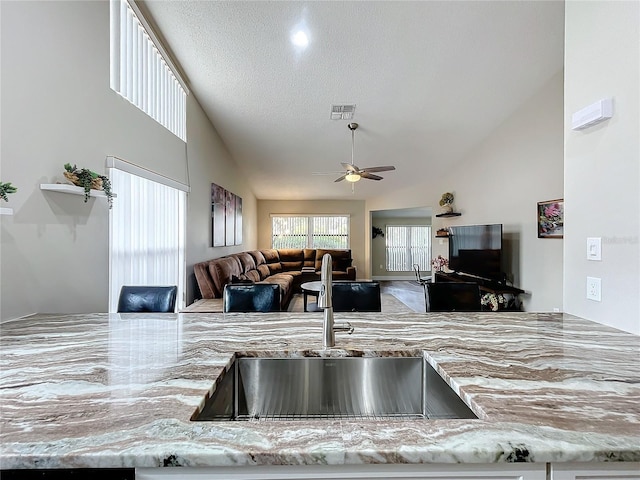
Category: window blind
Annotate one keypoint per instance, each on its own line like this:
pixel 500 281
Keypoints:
pixel 407 245
pixel 310 231
pixel 142 73
pixel 147 235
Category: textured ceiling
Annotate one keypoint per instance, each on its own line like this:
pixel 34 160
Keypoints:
pixel 430 80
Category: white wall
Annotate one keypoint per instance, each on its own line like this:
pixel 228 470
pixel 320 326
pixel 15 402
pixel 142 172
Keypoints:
pixel 353 208
pixel 602 173
pixel 210 162
pixel 518 165
pixel 57 107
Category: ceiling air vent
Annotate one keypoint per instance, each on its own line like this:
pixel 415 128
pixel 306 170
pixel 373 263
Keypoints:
pixel 342 112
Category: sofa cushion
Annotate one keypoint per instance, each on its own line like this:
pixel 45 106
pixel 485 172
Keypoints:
pixel 272 260
pixel 340 259
pixel 222 269
pixel 258 257
pixel 246 260
pixel 309 255
pixel 253 275
pixel 284 280
pixel 264 271
pixel 291 259
pixel 274 268
pixel 270 255
pixel 205 281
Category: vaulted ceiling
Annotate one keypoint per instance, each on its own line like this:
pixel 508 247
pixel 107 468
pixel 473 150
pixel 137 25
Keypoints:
pixel 430 80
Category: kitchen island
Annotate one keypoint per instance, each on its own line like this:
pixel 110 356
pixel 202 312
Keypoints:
pixel 118 391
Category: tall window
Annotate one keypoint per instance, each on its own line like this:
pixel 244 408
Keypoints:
pixel 147 231
pixel 310 231
pixel 142 72
pixel 407 245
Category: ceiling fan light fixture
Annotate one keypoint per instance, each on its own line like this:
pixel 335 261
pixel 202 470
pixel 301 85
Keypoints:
pixel 352 177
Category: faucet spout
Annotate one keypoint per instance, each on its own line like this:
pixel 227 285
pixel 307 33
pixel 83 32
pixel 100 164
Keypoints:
pixel 325 301
pixel 326 281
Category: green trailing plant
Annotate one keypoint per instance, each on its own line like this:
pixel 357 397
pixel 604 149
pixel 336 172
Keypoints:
pixel 6 189
pixel 87 179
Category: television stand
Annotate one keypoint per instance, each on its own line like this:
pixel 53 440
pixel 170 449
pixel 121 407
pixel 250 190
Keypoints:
pixel 486 287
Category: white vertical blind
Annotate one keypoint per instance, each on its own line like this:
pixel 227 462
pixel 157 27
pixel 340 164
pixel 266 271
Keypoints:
pixel 310 231
pixel 407 245
pixel 141 73
pixel 147 235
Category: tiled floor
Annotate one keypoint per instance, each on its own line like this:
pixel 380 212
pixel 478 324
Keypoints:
pixel 408 292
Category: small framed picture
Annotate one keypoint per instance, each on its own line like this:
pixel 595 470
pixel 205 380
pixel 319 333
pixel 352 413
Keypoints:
pixel 551 219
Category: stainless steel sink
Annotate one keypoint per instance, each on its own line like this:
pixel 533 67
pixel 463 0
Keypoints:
pixel 323 388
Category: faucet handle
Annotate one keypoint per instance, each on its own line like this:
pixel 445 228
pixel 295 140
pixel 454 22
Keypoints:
pixel 343 327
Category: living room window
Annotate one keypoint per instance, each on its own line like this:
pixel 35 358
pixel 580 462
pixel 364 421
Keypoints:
pixel 310 231
pixel 407 245
pixel 146 230
pixel 142 72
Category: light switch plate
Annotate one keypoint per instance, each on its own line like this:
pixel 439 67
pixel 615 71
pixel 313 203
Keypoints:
pixel 594 248
pixel 594 292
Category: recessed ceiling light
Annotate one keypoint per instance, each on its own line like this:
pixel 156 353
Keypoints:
pixel 300 39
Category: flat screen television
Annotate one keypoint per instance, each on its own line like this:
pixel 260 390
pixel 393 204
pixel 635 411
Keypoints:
pixel 476 250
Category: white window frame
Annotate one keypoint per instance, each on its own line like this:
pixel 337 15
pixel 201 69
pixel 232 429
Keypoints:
pixel 310 217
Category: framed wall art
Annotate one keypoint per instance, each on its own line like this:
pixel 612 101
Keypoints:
pixel 226 217
pixel 551 219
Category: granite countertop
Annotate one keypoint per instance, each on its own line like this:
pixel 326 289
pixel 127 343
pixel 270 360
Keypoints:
pixel 100 390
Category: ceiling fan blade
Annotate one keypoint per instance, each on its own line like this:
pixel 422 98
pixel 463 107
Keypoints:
pixel 369 176
pixel 340 178
pixel 378 169
pixel 349 168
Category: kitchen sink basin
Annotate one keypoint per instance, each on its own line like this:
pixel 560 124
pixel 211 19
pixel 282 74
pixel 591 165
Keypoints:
pixel 324 388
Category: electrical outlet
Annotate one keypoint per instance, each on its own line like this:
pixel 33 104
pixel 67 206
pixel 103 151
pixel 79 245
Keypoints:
pixel 594 289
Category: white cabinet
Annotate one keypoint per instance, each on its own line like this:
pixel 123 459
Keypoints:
pixel 506 471
pixel 596 471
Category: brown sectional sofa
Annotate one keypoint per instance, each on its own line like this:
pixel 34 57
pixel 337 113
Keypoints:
pixel 281 266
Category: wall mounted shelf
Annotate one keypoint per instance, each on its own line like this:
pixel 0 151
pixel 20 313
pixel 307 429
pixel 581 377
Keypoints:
pixel 72 189
pixel 6 211
pixel 447 215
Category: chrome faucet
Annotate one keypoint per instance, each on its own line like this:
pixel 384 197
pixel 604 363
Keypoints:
pixel 325 301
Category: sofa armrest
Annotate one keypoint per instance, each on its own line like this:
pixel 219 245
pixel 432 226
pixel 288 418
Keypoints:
pixel 351 273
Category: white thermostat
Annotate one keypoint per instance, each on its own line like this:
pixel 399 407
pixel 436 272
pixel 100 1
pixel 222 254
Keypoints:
pixel 592 115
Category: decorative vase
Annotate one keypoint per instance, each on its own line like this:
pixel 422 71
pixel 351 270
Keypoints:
pixel 447 208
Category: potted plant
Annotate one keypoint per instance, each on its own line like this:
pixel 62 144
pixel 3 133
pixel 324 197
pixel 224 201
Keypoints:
pixel 6 189
pixel 87 179
pixel 446 202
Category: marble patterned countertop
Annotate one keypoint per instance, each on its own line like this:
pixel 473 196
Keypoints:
pixel 100 390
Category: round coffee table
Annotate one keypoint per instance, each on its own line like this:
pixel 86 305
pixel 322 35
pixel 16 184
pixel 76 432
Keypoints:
pixel 310 288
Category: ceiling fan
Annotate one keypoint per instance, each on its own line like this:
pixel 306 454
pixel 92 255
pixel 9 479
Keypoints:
pixel 352 173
